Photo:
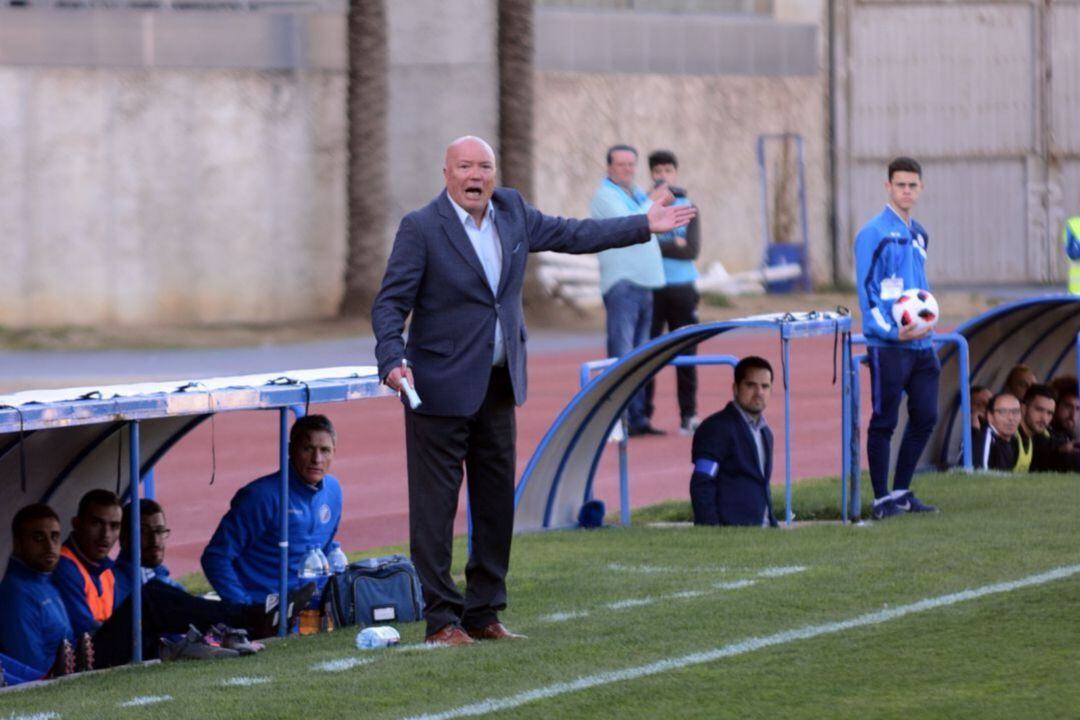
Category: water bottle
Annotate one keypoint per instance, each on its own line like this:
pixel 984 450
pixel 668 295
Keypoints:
pixel 324 564
pixel 379 636
pixel 338 560
pixel 313 565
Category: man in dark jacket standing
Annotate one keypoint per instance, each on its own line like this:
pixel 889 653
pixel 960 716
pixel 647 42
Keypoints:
pixel 732 454
pixel 458 265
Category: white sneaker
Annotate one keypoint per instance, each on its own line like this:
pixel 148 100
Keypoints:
pixel 689 425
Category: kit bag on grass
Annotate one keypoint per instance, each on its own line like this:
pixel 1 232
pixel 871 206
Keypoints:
pixel 375 590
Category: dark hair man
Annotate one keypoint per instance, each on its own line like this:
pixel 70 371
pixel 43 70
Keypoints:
pixel 732 454
pixel 675 304
pixel 458 265
pixel 84 575
pixel 890 257
pixel 997 446
pixel 1037 452
pixel 1063 427
pixel 33 623
pixel 242 559
pixel 1019 379
pixel 629 273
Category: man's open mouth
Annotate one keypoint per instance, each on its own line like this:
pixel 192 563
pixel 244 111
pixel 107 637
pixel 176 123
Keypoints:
pixel 474 193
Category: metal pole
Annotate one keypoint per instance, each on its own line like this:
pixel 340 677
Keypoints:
pixel 136 542
pixel 624 477
pixel 856 471
pixel 149 488
pixel 802 210
pixel 283 541
pixel 788 515
pixel 845 426
pixel 965 399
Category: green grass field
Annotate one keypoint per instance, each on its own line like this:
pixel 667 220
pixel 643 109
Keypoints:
pixel 821 621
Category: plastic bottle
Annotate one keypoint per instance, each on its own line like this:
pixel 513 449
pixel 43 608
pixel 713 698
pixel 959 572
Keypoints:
pixel 314 564
pixel 379 636
pixel 323 562
pixel 338 560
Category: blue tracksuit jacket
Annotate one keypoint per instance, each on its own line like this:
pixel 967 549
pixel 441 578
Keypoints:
pixel 33 619
pixel 242 560
pixel 886 247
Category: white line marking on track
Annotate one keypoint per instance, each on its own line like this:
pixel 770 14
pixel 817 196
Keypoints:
pixel 146 700
pixel 564 616
pixel 339 665
pixel 629 603
pixel 245 681
pixel 491 705
pixel 736 585
pixel 781 571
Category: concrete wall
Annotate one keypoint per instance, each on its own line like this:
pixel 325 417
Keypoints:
pixel 710 122
pixel 132 193
pixel 144 196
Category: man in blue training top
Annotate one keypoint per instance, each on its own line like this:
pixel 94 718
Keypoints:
pixel 242 559
pixel 84 575
pixel 628 275
pixel 890 257
pixel 33 620
pixel 153 532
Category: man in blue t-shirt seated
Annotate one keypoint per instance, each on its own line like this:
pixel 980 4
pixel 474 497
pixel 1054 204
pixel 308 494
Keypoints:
pixel 34 624
pixel 242 561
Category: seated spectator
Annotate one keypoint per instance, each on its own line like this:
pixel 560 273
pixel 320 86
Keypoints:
pixel 242 561
pixel 980 398
pixel 153 532
pixel 997 446
pixel 1063 426
pixel 1037 452
pixel 84 575
pixel 732 454
pixel 1019 379
pixel 106 608
pixel 34 625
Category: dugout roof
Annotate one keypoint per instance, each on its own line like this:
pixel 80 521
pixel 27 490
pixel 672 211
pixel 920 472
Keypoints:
pixel 65 442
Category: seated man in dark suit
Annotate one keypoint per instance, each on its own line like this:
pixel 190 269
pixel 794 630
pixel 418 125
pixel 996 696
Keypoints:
pixel 732 454
pixel 998 446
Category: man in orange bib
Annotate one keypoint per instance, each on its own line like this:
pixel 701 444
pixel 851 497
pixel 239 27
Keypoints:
pixel 84 575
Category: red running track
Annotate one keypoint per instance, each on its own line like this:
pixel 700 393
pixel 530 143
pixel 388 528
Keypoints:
pixel 370 460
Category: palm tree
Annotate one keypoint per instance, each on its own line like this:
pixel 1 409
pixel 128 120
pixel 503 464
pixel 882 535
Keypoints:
pixel 366 112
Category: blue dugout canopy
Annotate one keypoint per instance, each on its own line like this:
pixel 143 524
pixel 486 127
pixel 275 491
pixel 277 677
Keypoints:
pixel 559 477
pixel 1039 332
pixel 57 444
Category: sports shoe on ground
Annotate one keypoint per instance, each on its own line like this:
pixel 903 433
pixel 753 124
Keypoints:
pixel 233 639
pixel 65 660
pixel 192 647
pixel 645 430
pixel 886 509
pixel 688 425
pixel 84 653
pixel 910 503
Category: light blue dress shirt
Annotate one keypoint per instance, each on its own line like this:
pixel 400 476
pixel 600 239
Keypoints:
pixel 486 242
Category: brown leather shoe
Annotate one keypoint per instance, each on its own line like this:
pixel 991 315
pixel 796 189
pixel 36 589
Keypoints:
pixel 449 635
pixel 495 631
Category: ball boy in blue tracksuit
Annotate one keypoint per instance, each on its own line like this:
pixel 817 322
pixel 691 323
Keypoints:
pixel 890 257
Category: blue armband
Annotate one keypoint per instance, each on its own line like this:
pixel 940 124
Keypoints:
pixel 707 467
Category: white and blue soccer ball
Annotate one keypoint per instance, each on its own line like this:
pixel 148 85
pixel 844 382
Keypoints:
pixel 916 307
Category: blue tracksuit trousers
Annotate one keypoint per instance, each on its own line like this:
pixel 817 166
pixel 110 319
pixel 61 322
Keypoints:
pixel 894 371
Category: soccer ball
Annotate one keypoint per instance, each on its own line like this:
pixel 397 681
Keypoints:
pixel 915 307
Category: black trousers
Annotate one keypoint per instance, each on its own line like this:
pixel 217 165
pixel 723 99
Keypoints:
pixel 438 449
pixel 673 307
pixel 166 610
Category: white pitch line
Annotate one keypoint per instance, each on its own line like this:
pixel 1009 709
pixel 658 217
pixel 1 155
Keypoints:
pixel 491 705
pixel 629 603
pixel 36 716
pixel 781 571
pixel 422 647
pixel 145 700
pixel 564 616
pixel 653 569
pixel 245 681
pixel 339 665
pixel 736 585
pixel 686 594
